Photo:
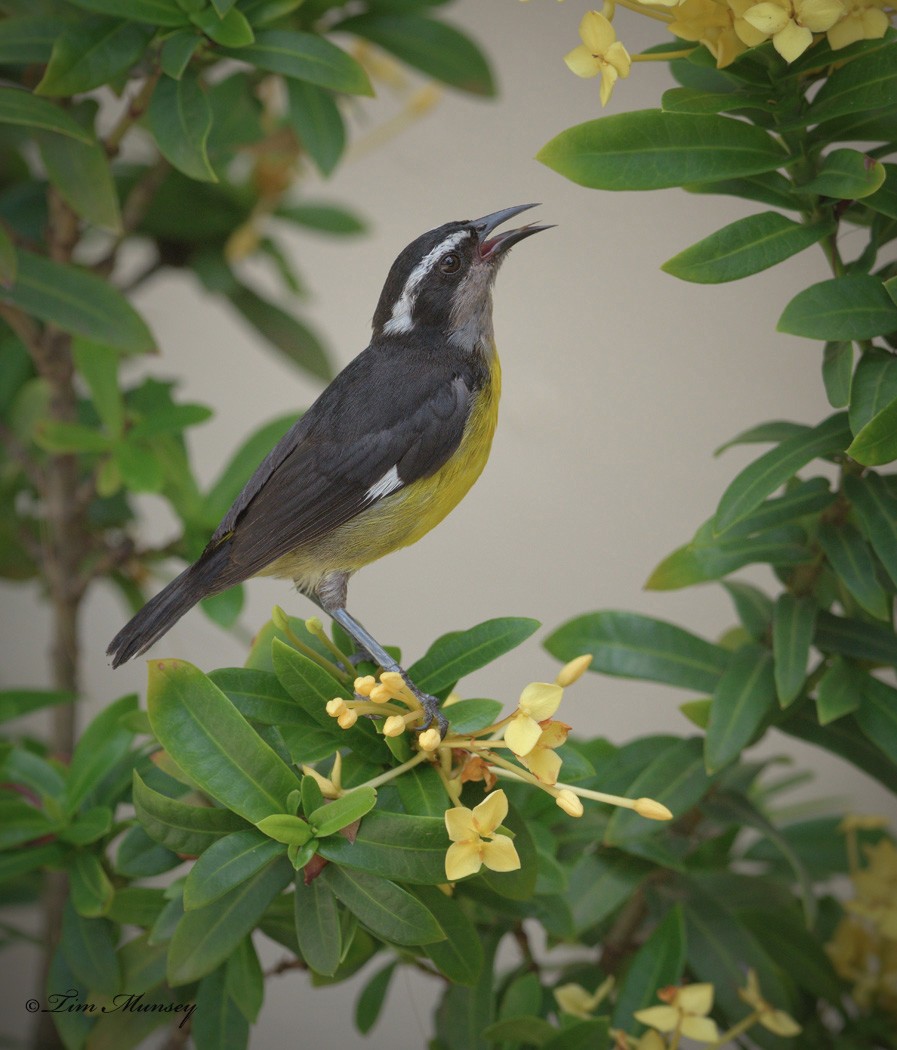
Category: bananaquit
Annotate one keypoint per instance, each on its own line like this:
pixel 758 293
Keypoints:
pixel 386 451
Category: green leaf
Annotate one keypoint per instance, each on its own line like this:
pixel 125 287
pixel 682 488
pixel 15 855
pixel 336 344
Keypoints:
pixel 306 682
pixel 259 696
pixel 877 715
pixel 526 1029
pixel 318 926
pixel 459 653
pixel 674 776
pixel 154 12
pixel 81 174
pixel 876 443
pixel 177 51
pixel 876 508
pixel 327 218
pixel 839 690
pixel 138 856
pixel 307 57
pixel 227 864
pixel 315 117
pixel 335 815
pixel 78 302
pixel 744 247
pixel 600 884
pixel 213 743
pixel 837 369
pixel 874 386
pixel 98 365
pixel 632 646
pixel 764 433
pixel 27 39
pixel 770 188
pixel 471 716
pixel 286 828
pixel 422 792
pixel 649 150
pixel 394 845
pixel 56 437
pixel 460 956
pixel 862 641
pixel 229 30
pixel 855 306
pixel 794 624
pixel 851 560
pixel 658 962
pixel 294 339
pixel 858 86
pixel 225 608
pixel 743 702
pixel 180 119
pixel 693 100
pixel 180 827
pixel 370 1002
pixel 796 949
pixel 91 890
pixel 219 1023
pixel 582 1035
pixel 138 467
pixel 435 48
pixel 89 949
pixel 205 937
pixel 846 174
pixel 884 200
pixel 386 909
pixel 762 477
pixel 27 110
pixel 9 263
pixel 102 745
pixel 90 53
pixel 754 607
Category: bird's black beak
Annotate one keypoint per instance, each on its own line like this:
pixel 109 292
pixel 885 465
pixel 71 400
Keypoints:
pixel 494 247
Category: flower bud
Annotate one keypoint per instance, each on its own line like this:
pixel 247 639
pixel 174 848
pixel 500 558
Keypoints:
pixel 380 694
pixel 429 740
pixel 651 809
pixel 569 803
pixel 394 726
pixel 347 719
pixel 574 670
pixel 364 685
pixel 335 707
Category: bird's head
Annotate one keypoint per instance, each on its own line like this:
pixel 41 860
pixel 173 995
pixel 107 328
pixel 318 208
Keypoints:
pixel 442 282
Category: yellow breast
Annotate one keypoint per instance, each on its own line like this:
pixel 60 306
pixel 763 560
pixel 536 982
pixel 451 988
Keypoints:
pixel 403 517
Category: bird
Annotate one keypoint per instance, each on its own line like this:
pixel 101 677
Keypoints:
pixel 385 452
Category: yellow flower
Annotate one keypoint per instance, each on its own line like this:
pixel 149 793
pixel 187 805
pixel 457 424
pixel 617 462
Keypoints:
pixel 599 54
pixel 475 841
pixel 538 701
pixel 573 999
pixel 686 1013
pixel 542 760
pixel 330 786
pixel 711 23
pixel 864 20
pixel 791 23
pixel 876 888
pixel 776 1021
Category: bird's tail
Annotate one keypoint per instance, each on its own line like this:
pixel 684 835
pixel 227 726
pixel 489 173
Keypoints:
pixel 164 610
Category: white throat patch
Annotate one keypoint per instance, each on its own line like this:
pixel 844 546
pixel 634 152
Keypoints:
pixel 401 320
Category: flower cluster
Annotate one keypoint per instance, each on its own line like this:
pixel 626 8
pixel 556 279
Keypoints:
pixel 726 28
pixel 523 747
pixel 864 947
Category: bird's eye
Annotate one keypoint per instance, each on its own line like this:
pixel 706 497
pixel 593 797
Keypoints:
pixel 450 262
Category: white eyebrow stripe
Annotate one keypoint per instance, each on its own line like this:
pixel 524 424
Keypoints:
pixel 401 312
pixel 388 483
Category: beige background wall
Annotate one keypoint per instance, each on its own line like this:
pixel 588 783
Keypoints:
pixel 619 381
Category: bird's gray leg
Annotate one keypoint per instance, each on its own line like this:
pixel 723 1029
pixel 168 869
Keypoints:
pixel 331 595
pixel 361 655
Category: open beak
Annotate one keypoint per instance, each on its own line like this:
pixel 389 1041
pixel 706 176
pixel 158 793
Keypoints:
pixel 493 247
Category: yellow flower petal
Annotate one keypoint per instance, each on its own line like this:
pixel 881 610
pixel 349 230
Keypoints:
pixel 487 816
pixel 543 763
pixel 618 57
pixel 819 15
pixel 522 733
pixel 582 62
pixel 540 700
pixel 461 860
pixel 701 1029
pixel 573 999
pixel 769 18
pixel 608 80
pixel 792 41
pixel 596 32
pixel 500 854
pixel 663 1018
pixel 695 999
pixel 780 1023
pixel 459 823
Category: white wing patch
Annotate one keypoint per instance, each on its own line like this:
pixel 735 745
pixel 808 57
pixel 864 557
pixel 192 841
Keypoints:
pixel 401 320
pixel 388 483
